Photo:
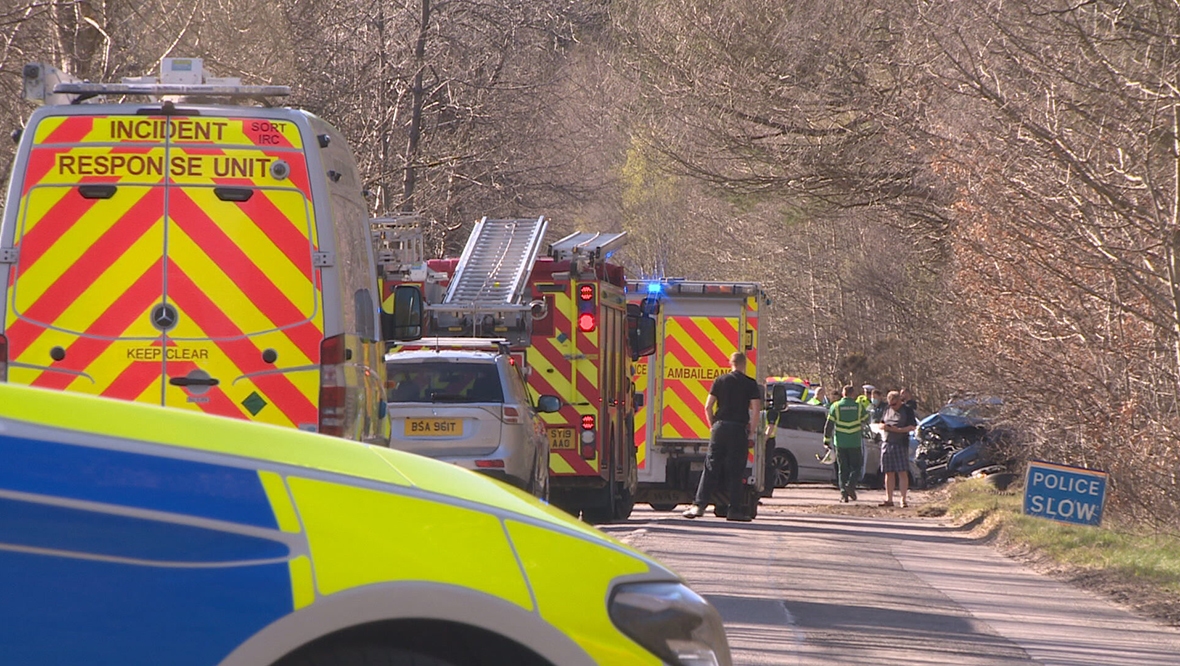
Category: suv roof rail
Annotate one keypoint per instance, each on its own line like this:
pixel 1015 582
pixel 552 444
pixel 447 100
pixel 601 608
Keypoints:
pixel 499 345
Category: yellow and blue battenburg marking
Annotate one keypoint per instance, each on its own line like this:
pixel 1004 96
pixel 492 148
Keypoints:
pixel 121 557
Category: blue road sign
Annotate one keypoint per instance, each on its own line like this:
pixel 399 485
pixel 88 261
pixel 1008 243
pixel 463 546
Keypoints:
pixel 1066 494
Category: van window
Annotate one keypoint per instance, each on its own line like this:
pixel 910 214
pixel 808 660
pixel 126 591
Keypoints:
pixel 365 326
pixel 443 381
pixel 807 420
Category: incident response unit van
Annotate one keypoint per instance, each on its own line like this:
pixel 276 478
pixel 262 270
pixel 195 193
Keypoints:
pixel 213 257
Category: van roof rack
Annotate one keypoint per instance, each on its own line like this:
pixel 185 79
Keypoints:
pixel 87 90
pixel 184 77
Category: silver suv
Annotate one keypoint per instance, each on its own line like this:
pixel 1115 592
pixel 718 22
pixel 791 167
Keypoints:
pixel 464 401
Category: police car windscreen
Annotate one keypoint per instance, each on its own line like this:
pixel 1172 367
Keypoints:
pixel 440 381
pixel 807 420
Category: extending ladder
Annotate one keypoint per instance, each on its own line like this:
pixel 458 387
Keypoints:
pixel 594 246
pixel 495 266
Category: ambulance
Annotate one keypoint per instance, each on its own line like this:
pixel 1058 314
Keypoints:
pixel 159 248
pixel 698 325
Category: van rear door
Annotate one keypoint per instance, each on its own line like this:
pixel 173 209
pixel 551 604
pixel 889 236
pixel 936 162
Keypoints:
pixel 88 238
pixel 167 259
pixel 240 273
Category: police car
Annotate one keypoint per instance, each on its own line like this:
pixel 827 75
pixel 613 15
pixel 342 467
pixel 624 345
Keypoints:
pixel 135 534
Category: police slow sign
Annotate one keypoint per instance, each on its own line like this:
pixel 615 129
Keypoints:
pixel 1065 494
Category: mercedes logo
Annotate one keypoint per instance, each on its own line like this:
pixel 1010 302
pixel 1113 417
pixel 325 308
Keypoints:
pixel 164 317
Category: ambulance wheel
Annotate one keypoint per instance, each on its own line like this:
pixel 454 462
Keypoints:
pixel 597 515
pixel 362 654
pixel 663 506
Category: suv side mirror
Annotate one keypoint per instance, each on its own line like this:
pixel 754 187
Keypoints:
pixel 548 404
pixel 405 323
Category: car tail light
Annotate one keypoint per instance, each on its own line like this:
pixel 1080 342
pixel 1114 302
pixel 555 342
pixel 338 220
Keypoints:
pixel 511 415
pixel 333 390
pixel 3 358
pixel 489 464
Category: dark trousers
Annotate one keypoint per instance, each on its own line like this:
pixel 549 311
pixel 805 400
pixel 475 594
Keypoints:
pixel 725 463
pixel 848 463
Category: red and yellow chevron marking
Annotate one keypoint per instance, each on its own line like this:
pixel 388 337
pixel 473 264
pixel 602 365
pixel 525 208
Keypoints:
pixel 696 351
pixel 239 275
pixel 565 364
pixel 754 342
pixel 152 130
pixel 640 378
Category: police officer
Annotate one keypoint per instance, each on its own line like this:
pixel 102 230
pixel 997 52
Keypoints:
pixel 731 411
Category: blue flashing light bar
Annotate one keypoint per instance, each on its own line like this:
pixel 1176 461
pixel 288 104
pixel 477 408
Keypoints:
pixel 654 287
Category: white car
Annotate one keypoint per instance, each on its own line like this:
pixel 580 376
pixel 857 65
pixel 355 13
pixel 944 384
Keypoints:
pixel 798 446
pixel 466 403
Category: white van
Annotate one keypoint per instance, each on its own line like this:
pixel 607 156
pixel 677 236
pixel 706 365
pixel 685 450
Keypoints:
pixel 199 256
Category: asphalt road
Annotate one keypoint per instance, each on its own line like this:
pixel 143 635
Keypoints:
pixel 812 582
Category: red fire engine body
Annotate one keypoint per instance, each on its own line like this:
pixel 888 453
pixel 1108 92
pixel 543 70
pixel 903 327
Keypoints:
pixel 581 351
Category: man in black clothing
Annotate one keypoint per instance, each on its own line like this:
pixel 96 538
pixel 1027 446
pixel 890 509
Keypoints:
pixel 731 411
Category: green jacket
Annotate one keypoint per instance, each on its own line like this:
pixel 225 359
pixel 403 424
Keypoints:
pixel 845 419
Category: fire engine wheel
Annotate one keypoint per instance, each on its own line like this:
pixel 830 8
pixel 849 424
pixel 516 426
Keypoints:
pixel 663 506
pixel 624 504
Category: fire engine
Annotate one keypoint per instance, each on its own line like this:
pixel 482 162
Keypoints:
pixel 698 325
pixel 568 320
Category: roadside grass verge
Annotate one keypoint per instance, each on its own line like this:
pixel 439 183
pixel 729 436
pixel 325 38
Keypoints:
pixel 1133 564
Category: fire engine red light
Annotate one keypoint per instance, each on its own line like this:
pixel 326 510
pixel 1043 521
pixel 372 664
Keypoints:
pixel 588 422
pixel 586 292
pixel 586 322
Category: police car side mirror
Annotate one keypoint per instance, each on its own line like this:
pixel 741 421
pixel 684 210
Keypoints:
pixel 405 322
pixel 778 398
pixel 548 404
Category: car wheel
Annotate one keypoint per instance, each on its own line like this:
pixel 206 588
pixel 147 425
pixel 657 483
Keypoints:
pixel 663 506
pixel 784 467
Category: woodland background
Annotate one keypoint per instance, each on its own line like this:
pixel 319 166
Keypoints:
pixel 969 197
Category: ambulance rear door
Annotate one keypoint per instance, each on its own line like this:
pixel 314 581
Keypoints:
pixel 698 334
